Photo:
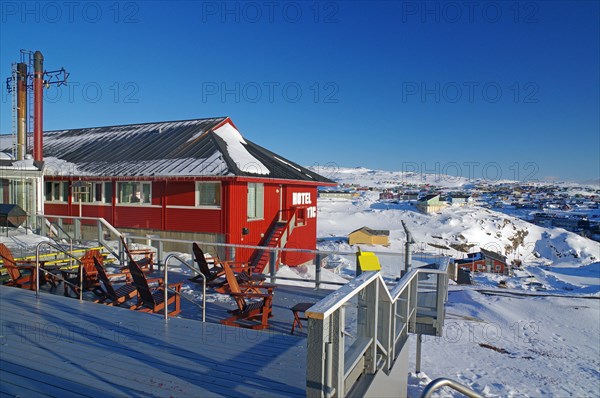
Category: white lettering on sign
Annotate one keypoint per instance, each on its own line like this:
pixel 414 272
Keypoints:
pixel 311 212
pixel 301 198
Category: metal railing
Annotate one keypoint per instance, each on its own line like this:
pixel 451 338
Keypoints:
pixel 165 279
pixel 101 224
pixel 104 228
pixel 37 268
pixel 384 318
pixel 445 382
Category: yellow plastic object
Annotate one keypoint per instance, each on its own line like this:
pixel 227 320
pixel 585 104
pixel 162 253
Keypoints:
pixel 367 261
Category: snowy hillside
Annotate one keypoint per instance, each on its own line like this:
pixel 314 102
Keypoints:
pixel 456 231
pixel 439 178
pixel 519 341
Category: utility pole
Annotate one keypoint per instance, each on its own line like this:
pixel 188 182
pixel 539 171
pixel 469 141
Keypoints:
pixel 407 253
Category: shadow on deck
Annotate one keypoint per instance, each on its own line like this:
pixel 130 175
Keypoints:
pixel 57 346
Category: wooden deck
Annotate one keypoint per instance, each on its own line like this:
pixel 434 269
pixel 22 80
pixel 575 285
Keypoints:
pixel 56 346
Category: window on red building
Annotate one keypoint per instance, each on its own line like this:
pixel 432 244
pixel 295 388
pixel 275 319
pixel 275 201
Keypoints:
pixel 255 201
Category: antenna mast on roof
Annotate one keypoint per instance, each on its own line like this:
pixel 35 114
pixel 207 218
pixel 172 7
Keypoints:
pixel 29 76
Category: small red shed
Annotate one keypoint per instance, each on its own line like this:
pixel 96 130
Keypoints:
pixel 484 261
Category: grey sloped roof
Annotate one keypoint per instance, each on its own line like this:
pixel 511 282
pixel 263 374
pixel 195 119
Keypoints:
pixel 372 232
pixel 176 148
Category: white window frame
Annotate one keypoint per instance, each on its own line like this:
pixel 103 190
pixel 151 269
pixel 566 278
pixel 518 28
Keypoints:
pixel 57 197
pixel 219 195
pixel 93 187
pixel 138 190
pixel 255 201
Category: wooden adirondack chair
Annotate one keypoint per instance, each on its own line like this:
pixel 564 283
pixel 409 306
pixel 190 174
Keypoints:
pixel 153 299
pixel 146 263
pixel 22 273
pixel 90 274
pixel 247 314
pixel 17 278
pixel 214 275
pixel 112 296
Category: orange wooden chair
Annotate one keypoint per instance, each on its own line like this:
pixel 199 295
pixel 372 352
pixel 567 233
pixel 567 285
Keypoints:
pixel 214 275
pixel 22 273
pixel 248 314
pixel 153 299
pixel 146 263
pixel 110 294
pixel 90 274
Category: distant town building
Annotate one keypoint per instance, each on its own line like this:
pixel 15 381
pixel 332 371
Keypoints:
pixel 368 236
pixel 484 261
pixel 339 194
pixel 431 204
pixel 461 200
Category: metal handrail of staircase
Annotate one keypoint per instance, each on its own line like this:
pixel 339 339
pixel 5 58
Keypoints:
pixel 165 276
pixel 57 225
pixel 453 384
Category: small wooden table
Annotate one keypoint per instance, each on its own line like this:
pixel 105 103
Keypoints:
pixel 297 309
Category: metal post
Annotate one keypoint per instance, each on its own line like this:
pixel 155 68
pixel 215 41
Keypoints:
pixel 80 278
pixel 328 369
pixel 272 264
pixel 37 270
pixel 232 253
pixel 166 284
pixel 159 253
pixel 419 341
pixel 77 223
pixel 318 271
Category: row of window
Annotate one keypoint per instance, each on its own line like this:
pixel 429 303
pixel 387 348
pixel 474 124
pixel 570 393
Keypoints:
pixel 208 194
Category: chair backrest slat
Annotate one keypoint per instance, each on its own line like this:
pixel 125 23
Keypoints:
pixel 234 286
pixel 201 260
pixel 9 262
pixel 141 284
pixel 110 291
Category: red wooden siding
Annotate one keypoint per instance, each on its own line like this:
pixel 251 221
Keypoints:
pixel 194 220
pixel 138 217
pixel 180 193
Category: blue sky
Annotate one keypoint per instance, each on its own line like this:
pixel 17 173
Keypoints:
pixel 484 89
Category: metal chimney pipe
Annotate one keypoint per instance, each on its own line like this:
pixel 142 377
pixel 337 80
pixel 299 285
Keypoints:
pixel 38 97
pixel 21 110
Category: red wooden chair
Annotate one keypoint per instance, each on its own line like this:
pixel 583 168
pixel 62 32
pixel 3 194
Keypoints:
pixel 90 274
pixel 112 295
pixel 146 263
pixel 248 313
pixel 24 280
pixel 214 275
pixel 153 300
pixel 22 273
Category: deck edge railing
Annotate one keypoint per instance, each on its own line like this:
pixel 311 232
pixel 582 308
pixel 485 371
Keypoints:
pixel 385 317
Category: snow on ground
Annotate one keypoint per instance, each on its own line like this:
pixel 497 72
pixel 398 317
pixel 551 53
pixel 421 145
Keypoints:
pixel 516 346
pixel 509 342
pixel 456 231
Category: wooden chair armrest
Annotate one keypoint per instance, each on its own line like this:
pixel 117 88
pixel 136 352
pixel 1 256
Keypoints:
pixel 155 280
pixel 251 295
pixel 119 275
pixel 175 286
pixel 256 286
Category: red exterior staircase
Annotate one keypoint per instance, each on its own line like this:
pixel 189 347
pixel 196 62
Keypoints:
pixel 276 238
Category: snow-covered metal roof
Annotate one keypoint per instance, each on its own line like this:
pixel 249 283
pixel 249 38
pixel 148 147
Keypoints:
pixel 189 148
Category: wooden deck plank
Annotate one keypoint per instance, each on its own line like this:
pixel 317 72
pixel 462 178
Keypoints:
pixel 18 384
pixel 195 358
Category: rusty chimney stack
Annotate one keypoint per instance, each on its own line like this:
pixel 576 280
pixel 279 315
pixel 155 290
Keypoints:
pixel 38 98
pixel 21 110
